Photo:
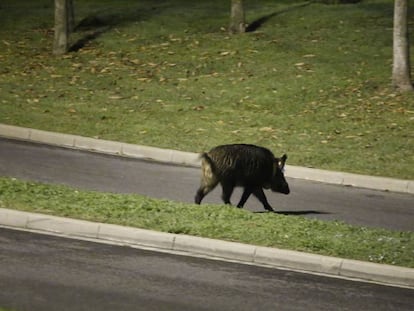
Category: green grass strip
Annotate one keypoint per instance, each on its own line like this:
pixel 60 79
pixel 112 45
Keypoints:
pixel 331 238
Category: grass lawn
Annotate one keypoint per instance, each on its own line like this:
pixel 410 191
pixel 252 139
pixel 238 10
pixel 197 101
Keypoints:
pixel 213 221
pixel 312 81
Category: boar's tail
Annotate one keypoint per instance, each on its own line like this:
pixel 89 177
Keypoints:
pixel 205 158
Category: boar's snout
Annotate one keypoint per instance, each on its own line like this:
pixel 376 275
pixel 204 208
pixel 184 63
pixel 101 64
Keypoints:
pixel 285 189
pixel 281 187
pixel 280 184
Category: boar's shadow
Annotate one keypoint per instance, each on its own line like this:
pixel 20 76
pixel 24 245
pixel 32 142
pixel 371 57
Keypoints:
pixel 296 213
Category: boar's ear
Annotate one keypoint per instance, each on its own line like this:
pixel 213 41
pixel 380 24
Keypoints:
pixel 282 162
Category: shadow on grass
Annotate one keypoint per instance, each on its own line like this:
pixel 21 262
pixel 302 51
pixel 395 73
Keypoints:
pixel 87 38
pixel 259 22
pixel 99 23
pixel 96 25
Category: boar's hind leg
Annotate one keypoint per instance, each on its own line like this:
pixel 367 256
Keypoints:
pixel 258 193
pixel 201 193
pixel 208 179
pixel 204 189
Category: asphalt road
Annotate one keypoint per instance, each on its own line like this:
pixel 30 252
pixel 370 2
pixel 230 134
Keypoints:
pixel 40 272
pixel 122 175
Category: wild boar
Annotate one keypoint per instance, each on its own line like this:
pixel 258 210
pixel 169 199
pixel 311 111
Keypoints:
pixel 252 167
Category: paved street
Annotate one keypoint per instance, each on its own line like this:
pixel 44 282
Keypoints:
pixel 39 272
pixel 122 175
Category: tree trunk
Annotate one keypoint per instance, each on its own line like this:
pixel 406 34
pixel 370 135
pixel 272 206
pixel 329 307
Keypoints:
pixel 401 77
pixel 71 16
pixel 237 19
pixel 60 43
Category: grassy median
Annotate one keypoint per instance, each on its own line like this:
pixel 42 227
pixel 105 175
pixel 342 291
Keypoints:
pixel 213 221
pixel 312 80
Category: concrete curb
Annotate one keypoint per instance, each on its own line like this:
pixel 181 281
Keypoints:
pixel 196 246
pixel 191 159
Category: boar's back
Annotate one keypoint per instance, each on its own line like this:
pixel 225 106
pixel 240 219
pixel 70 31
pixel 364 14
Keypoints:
pixel 242 163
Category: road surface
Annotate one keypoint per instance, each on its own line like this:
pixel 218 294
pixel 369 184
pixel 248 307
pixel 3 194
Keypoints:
pixel 122 175
pixel 40 272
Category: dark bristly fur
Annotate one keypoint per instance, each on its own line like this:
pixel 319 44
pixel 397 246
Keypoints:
pixel 249 166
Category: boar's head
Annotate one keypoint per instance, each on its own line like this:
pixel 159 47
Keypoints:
pixel 278 183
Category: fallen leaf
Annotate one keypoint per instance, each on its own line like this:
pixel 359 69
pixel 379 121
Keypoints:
pixel 198 108
pixel 266 129
pixel 116 97
pixel 135 61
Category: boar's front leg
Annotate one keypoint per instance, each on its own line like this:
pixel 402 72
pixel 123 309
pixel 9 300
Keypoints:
pixel 246 193
pixel 228 188
pixel 258 193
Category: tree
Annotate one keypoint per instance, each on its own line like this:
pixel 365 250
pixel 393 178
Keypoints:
pixel 64 24
pixel 71 16
pixel 401 78
pixel 237 17
pixel 339 1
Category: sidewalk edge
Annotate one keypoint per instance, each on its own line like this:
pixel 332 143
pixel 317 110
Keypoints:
pixel 210 248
